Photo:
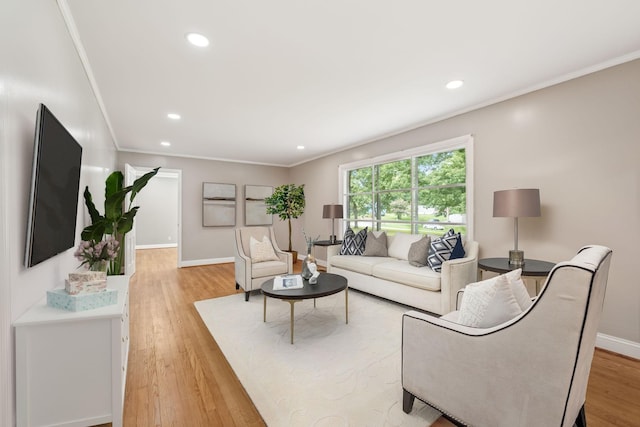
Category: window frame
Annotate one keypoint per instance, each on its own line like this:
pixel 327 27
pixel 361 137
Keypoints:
pixel 462 142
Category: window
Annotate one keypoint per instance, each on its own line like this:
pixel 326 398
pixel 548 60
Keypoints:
pixel 426 190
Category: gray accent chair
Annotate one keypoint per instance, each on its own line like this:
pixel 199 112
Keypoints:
pixel 251 275
pixel 530 371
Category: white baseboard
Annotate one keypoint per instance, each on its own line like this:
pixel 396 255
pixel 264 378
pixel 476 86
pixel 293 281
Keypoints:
pixel 158 246
pixel 197 262
pixel 618 345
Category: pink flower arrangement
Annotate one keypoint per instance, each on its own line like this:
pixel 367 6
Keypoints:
pixel 93 253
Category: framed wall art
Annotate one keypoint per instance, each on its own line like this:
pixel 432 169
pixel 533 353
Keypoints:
pixel 255 210
pixel 218 205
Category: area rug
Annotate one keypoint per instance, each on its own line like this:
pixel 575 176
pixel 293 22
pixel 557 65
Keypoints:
pixel 335 374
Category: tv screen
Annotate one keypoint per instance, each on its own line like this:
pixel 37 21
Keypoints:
pixel 53 201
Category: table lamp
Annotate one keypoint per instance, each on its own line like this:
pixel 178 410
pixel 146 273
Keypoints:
pixel 333 212
pixel 516 203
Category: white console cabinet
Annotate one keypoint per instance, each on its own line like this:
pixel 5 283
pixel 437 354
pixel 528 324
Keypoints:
pixel 71 367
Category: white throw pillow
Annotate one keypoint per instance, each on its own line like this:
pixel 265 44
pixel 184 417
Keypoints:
pixel 262 251
pixel 519 289
pixel 488 303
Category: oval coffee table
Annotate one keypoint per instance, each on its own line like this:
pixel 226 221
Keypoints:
pixel 328 284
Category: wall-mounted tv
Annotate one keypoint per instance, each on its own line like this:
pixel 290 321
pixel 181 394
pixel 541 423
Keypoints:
pixel 55 180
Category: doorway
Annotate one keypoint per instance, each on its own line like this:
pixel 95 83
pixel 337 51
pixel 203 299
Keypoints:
pixel 158 222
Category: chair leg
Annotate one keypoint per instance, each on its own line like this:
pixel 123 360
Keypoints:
pixel 237 286
pixel 407 401
pixel 581 419
pixel 246 296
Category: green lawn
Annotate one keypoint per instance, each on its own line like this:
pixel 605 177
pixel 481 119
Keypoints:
pixel 393 228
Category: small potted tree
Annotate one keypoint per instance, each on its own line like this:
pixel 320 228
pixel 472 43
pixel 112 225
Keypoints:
pixel 287 201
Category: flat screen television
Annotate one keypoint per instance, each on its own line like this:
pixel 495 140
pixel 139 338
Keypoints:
pixel 55 180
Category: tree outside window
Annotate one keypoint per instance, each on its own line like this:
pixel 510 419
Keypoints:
pixel 423 193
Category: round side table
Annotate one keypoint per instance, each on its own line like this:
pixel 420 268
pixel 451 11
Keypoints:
pixel 531 268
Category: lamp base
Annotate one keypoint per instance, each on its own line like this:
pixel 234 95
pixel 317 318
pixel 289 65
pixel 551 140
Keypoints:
pixel 516 258
pixel 333 239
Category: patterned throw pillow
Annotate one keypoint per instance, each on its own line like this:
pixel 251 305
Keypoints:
pixel 352 243
pixel 441 248
pixel 375 246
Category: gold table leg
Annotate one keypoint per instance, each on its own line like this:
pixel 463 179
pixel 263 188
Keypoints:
pixel 346 304
pixel 292 302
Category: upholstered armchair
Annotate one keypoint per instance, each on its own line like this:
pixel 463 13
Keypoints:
pixel 531 370
pixel 252 272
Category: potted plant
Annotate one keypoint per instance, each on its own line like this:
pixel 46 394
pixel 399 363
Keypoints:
pixel 287 201
pixel 115 222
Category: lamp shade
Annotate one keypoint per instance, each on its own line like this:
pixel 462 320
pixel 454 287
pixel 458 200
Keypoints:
pixel 332 211
pixel 521 202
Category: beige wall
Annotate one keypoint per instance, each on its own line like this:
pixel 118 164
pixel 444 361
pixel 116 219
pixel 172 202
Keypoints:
pixel 578 142
pixel 208 244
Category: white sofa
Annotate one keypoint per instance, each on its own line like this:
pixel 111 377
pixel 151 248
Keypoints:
pixel 393 278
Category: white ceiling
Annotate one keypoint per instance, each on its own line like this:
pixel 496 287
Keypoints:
pixel 327 74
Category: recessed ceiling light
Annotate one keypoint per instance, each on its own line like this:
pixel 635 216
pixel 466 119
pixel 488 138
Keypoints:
pixel 197 39
pixel 300 147
pixel 174 116
pixel 455 84
pixel 165 143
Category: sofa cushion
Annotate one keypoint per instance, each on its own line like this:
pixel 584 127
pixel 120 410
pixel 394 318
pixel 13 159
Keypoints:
pixel 375 245
pixel 357 263
pixel 419 251
pixel 268 268
pixel 401 271
pixel 352 243
pixel 400 244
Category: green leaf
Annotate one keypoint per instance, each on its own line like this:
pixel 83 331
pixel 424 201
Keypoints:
pixel 139 183
pixel 93 212
pixel 94 231
pixel 126 221
pixel 113 204
pixel 113 184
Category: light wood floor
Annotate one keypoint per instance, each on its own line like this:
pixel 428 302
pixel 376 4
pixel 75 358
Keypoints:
pixel 178 376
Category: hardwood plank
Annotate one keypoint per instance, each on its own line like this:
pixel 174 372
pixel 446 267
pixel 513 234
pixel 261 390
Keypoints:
pixel 178 375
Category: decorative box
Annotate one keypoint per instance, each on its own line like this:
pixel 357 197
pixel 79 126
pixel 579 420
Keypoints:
pixel 87 276
pixel 59 298
pixel 82 282
pixel 76 288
